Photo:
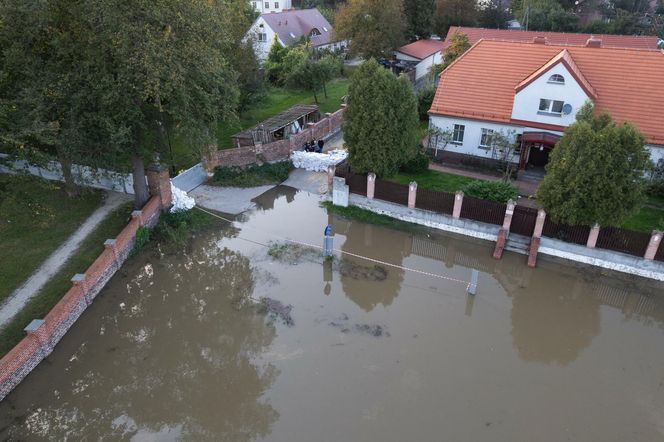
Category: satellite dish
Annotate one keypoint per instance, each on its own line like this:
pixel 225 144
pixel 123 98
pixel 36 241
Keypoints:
pixel 567 109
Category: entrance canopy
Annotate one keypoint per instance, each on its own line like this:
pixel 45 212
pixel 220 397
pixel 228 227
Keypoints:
pixel 540 137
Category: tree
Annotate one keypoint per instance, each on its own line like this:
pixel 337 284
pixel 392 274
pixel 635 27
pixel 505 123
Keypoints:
pixel 596 172
pixel 493 14
pixel 459 44
pixel 374 27
pixel 419 15
pixel 545 15
pixel 503 149
pixel 274 63
pixel 114 77
pixel 307 75
pixel 380 123
pixel 454 13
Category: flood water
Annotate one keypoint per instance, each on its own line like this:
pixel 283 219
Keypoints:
pixel 175 348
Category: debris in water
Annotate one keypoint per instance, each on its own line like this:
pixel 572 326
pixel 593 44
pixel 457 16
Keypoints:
pixel 352 269
pixel 276 309
pixel 374 330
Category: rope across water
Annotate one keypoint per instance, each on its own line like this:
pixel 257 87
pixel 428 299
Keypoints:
pixel 343 252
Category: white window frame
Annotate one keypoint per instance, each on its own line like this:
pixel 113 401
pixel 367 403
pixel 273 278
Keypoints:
pixel 485 133
pixel 276 5
pixel 267 5
pixel 549 110
pixel 456 130
pixel 262 36
pixel 556 79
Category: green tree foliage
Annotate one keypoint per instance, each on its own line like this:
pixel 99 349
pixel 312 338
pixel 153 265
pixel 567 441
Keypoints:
pixel 545 15
pixel 454 13
pixel 112 78
pixel 493 14
pixel 380 123
pixel 274 68
pixel 374 27
pixel 596 172
pixel 459 44
pixel 419 14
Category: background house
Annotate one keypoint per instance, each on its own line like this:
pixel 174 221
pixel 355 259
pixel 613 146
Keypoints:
pixel 533 91
pixel 422 54
pixel 557 38
pixel 289 27
pixel 265 6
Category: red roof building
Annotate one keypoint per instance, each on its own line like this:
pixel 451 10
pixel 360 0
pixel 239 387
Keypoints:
pixel 555 38
pixel 534 90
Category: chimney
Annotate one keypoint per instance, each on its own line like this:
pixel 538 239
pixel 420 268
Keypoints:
pixel 594 42
pixel 540 40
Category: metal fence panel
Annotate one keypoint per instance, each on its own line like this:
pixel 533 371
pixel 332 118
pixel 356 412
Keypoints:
pixel 393 192
pixel 621 240
pixel 441 202
pixel 523 220
pixel 482 210
pixel 563 232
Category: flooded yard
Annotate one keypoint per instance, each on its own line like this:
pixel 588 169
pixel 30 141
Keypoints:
pixel 240 336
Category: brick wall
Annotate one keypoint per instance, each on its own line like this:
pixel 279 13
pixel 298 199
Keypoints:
pixel 278 150
pixel 37 345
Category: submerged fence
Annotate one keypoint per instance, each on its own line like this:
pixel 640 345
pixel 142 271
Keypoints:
pixel 523 219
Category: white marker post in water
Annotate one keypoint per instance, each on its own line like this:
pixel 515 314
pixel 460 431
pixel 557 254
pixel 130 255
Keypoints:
pixel 472 286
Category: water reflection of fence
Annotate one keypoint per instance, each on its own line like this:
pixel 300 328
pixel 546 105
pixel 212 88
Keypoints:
pixel 522 222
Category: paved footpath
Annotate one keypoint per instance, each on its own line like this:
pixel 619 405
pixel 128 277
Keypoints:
pixel 54 263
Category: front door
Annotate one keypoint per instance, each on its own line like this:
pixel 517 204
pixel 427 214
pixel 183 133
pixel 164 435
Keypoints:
pixel 539 155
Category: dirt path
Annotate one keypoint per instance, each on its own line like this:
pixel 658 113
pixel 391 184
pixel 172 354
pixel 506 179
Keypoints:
pixel 15 302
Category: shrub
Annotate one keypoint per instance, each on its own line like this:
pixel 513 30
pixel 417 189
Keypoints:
pixel 142 238
pixel 175 228
pixel 498 191
pixel 255 175
pixel 424 101
pixel 418 164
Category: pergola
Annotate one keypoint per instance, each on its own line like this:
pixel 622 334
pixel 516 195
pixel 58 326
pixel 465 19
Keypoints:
pixel 279 127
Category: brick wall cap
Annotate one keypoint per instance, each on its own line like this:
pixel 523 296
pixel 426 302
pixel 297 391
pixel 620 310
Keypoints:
pixel 79 277
pixel 33 326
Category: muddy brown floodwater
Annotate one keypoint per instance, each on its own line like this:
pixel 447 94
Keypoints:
pixel 180 346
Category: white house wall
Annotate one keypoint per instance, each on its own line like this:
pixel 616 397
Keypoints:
pixel 423 66
pixel 526 102
pixel 262 48
pixel 656 152
pixel 263 7
pixel 472 134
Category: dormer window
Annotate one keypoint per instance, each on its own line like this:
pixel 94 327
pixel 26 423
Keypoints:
pixel 556 79
pixel 314 32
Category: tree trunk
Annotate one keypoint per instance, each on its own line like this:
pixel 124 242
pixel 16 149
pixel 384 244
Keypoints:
pixel 70 185
pixel 315 97
pixel 325 90
pixel 141 193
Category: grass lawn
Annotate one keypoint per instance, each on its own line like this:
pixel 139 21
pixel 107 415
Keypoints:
pixel 60 283
pixel 276 100
pixel 434 180
pixel 36 216
pixel 646 220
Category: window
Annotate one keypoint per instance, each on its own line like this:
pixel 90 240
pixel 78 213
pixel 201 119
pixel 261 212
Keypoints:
pixel 557 79
pixel 485 141
pixel 551 106
pixel 267 5
pixel 314 32
pixel 276 5
pixel 459 129
pixel 255 5
pixel 262 36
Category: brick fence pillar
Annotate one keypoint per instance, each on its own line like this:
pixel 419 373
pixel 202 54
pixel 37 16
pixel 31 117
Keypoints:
pixel 592 236
pixel 412 194
pixel 138 215
pixel 458 202
pixel 109 245
pixel 653 245
pixel 509 212
pixel 159 183
pixel 371 185
pixel 329 122
pixel 78 281
pixel 539 223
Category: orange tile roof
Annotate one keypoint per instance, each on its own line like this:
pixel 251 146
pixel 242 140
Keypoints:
pixel 421 48
pixel 481 83
pixel 556 38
